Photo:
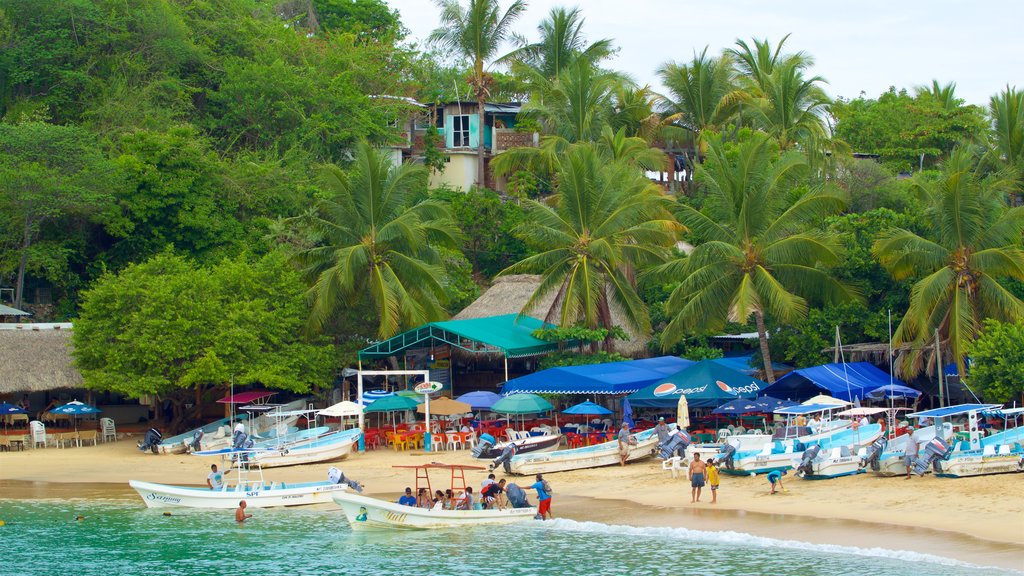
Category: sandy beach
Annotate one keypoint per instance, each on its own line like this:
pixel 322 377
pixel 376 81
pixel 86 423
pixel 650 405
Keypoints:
pixel 979 520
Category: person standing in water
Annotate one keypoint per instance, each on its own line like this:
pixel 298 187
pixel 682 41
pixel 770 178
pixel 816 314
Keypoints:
pixel 240 515
pixel 696 475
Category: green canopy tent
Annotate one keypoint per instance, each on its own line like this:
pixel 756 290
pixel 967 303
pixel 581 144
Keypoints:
pixel 521 404
pixel 392 404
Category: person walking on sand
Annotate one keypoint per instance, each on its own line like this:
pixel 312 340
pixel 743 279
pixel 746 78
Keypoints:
pixel 696 476
pixel 712 472
pixel 623 444
pixel 775 476
pixel 240 515
pixel 910 454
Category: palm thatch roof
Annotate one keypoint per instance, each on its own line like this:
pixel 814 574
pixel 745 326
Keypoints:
pixel 509 294
pixel 37 360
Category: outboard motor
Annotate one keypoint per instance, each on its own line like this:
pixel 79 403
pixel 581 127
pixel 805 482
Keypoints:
pixel 335 476
pixel 485 444
pixel 934 452
pixel 504 458
pixel 196 444
pixel 152 439
pixel 238 439
pixel 516 496
pixel 676 441
pixel 806 467
pixel 726 455
pixel 874 453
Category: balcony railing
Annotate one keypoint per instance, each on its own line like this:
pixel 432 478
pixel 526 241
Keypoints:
pixel 505 138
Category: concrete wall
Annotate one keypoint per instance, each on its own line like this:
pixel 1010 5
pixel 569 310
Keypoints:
pixel 459 172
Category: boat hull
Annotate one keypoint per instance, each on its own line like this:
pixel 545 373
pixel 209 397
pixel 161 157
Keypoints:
pixel 532 445
pixel 834 468
pixel 966 465
pixel 364 512
pixel 168 496
pixel 319 450
pixel 605 454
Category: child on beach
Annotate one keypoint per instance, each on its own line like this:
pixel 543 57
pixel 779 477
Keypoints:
pixel 712 472
pixel 776 476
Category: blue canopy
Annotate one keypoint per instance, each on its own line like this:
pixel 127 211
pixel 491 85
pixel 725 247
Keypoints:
pixel 607 378
pixel 744 363
pixel 705 384
pixel 75 408
pixel 6 408
pixel 954 410
pixel 738 406
pixel 479 400
pixel 587 408
pixel 850 381
pixel 893 391
pixel 770 404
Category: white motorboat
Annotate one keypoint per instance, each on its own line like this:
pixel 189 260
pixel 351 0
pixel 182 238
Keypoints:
pixel 978 455
pixel 365 512
pixel 326 448
pixel 892 459
pixel 249 485
pixel 486 448
pixel 604 454
pixel 838 455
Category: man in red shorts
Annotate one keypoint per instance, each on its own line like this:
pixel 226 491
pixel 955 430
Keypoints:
pixel 545 498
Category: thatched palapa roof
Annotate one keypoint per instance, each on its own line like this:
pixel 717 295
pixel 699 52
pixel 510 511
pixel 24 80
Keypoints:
pixel 509 294
pixel 37 358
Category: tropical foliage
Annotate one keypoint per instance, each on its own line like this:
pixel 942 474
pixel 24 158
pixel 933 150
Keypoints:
pixel 997 361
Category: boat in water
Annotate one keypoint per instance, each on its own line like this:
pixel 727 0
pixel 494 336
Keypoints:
pixel 364 512
pixel 977 455
pixel 249 485
pixel 604 454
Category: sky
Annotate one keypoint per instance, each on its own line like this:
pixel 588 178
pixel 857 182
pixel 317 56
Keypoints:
pixel 864 46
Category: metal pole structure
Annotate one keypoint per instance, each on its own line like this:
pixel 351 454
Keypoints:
pixel 938 368
pixel 506 368
pixel 359 400
pixel 426 433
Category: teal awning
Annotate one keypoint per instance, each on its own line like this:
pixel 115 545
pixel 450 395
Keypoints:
pixel 508 335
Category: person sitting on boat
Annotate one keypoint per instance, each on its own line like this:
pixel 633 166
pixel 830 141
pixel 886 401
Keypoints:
pixel 439 502
pixel 468 500
pixel 407 499
pixel 449 499
pixel 815 424
pixel 492 494
pixel 215 479
pixel 423 499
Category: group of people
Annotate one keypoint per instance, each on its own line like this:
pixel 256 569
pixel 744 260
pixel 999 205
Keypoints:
pixel 494 494
pixel 701 473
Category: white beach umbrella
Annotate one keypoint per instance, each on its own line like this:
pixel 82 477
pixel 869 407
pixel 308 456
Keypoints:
pixel 682 413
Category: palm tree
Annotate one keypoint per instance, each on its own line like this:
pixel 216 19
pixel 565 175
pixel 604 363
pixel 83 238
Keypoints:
pixel 760 251
pixel 1007 112
pixel 605 221
pixel 702 93
pixel 476 32
pixel 369 238
pixel 943 94
pixel 561 42
pixel 974 244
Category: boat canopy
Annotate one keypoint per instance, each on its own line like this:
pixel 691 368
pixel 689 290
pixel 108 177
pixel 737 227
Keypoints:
pixel 954 410
pixel 621 377
pixel 246 397
pixel 1003 412
pixel 861 411
pixel 807 409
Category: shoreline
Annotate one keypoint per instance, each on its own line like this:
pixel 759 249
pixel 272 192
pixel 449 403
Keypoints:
pixel 976 520
pixel 623 512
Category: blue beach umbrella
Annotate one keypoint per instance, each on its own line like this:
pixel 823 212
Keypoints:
pixel 6 409
pixel 76 409
pixel 480 399
pixel 587 408
pixel 769 404
pixel 627 413
pixel 738 407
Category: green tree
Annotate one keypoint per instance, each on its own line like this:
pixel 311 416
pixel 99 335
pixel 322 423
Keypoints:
pixel 760 244
pixel 47 173
pixel 369 19
pixel 702 94
pixel 997 361
pixel 488 225
pixel 370 236
pixel 973 243
pixel 170 328
pixel 1007 112
pixel 561 42
pixel 476 33
pixel 606 221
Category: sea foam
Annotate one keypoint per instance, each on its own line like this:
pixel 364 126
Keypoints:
pixel 729 537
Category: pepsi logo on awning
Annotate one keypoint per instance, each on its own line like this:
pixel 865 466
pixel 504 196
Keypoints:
pixel 665 389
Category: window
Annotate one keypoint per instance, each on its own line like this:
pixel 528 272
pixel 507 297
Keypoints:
pixel 460 131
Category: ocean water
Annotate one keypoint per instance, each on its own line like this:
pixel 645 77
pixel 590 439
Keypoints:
pixel 124 538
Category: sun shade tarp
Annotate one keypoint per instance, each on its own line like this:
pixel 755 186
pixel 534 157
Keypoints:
pixel 850 381
pixel 608 378
pixel 245 397
pixel 705 384
pixel 508 335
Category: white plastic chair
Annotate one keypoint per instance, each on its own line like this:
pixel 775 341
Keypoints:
pixel 437 441
pixel 724 433
pixel 107 430
pixel 471 440
pixel 37 430
pixel 739 430
pixel 673 464
pixel 455 442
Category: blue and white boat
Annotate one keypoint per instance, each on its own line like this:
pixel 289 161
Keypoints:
pixel 326 448
pixel 604 454
pixel 839 454
pixel 977 455
pixel 178 444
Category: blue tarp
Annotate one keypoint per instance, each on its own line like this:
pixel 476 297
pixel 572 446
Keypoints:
pixel 608 378
pixel 849 381
pixel 954 410
pixel 743 364
pixel 705 384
